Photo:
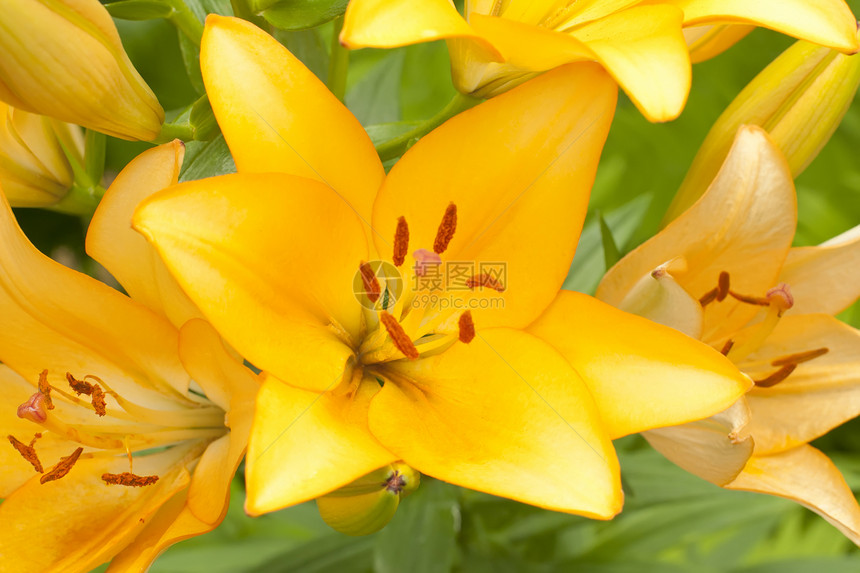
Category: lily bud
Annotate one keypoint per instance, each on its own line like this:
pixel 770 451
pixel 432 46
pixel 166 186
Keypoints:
pixel 799 99
pixel 367 504
pixel 34 169
pixel 64 59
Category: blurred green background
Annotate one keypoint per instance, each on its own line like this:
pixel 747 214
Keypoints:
pixel 672 521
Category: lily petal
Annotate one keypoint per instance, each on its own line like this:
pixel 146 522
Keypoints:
pixel 826 22
pixel 825 278
pixel 715 449
pixel 642 375
pixel 129 258
pixel 322 439
pixel 706 42
pixel 806 476
pixel 58 525
pixel 743 224
pixel 818 396
pixel 506 415
pixel 278 117
pixel 239 262
pixel 89 327
pixel 538 171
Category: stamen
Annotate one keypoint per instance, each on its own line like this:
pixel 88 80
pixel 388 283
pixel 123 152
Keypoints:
pixel 758 301
pixel 34 408
pixel 401 242
pixel 800 357
pixel 395 483
pixel 129 479
pixel 446 229
pixel 776 377
pixel 485 280
pixel 79 386
pixel 723 286
pixel 727 346
pixel 708 297
pixel 99 404
pixel 45 389
pixel 398 336
pixel 423 259
pixel 27 452
pixel 467 327
pixel 62 468
pixel 371 283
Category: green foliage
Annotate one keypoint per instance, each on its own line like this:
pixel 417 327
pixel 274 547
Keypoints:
pixel 298 14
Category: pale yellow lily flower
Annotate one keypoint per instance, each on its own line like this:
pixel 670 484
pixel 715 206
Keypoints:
pixel 502 43
pixel 725 272
pixel 64 59
pixel 34 168
pixel 278 258
pixel 112 453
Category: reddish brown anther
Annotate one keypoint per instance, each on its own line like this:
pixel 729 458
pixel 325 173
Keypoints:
pixel 446 229
pixel 401 242
pixel 800 357
pixel 727 346
pixel 398 336
pixel 485 280
pixel 62 468
pixel 129 479
pixel 723 286
pixel 370 282
pixel 34 409
pixel 467 327
pixel 98 400
pixel 79 386
pixel 776 377
pixel 27 452
pixel 45 389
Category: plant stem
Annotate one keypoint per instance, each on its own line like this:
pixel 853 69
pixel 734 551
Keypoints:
pixel 94 155
pixel 338 63
pixel 80 201
pixel 184 19
pixel 397 146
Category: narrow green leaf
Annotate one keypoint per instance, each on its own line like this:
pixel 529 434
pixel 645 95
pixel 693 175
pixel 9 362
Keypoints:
pixel 139 9
pixel 610 249
pixel 206 159
pixel 302 14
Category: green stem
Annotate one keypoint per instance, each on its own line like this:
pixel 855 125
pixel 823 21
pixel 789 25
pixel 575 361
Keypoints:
pixel 94 155
pixel 338 63
pixel 171 131
pixel 397 146
pixel 184 19
pixel 80 201
pixel 242 10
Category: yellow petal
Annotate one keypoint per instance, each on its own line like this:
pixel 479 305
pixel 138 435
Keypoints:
pixel 818 396
pixel 743 224
pixel 642 375
pixel 233 387
pixel 304 445
pixel 715 449
pixel 62 320
pixel 521 188
pixel 706 42
pixel 270 260
pixel 129 258
pixel 645 51
pixel 277 116
pixel 826 22
pixel 78 522
pixel 825 278
pixel 806 476
pixel 506 415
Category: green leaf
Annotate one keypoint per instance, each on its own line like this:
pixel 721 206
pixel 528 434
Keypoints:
pixel 298 14
pixel 334 553
pixel 381 132
pixel 610 249
pixel 421 537
pixel 373 90
pixel 206 159
pixel 191 60
pixel 139 9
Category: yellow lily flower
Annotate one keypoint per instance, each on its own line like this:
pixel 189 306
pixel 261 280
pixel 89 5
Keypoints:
pixel 725 272
pixel 34 170
pixel 97 400
pixel 501 44
pixel 64 59
pixel 299 258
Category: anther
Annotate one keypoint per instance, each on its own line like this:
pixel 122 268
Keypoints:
pixel 446 229
pixel 62 468
pixel 776 377
pixel 727 346
pixel 45 389
pixel 800 357
pixel 34 408
pixel 398 336
pixel 485 280
pixel 98 400
pixel 371 283
pixel 401 242
pixel 79 386
pixel 723 286
pixel 129 479
pixel 423 259
pixel 467 327
pixel 27 452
